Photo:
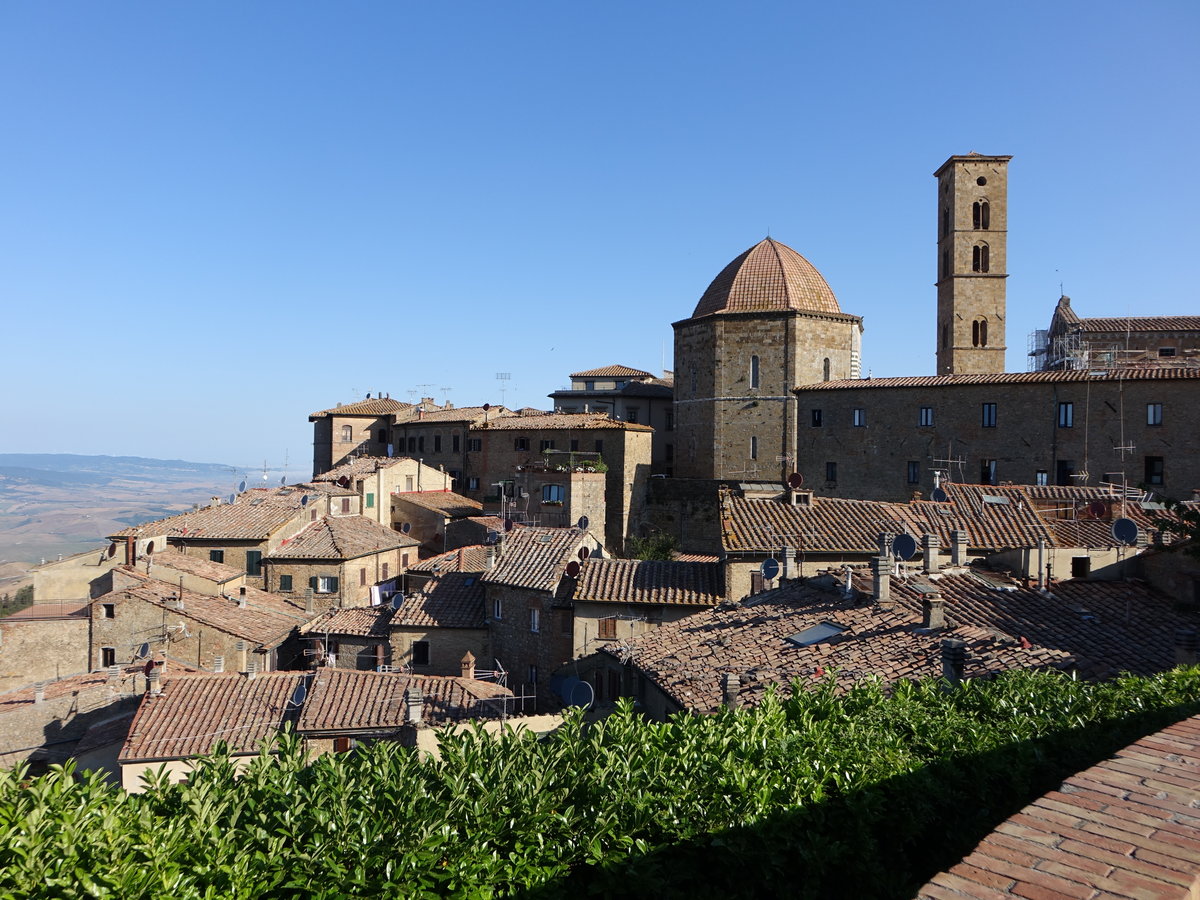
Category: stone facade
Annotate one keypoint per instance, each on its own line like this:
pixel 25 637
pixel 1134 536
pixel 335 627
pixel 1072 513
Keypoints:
pixel 41 649
pixel 532 636
pixel 70 578
pixel 354 577
pixel 882 439
pixel 972 262
pixel 445 648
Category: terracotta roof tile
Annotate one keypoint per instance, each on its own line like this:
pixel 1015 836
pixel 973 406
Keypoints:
pixel 650 581
pixel 360 465
pixel 377 406
pixel 562 421
pixel 464 559
pixel 450 504
pixel 458 414
pixel 349 700
pixel 23 697
pixel 358 621
pixel 178 561
pixel 1141 323
pixel 256 514
pixel 341 537
pixel 768 276
pixel 449 600
pixel 612 372
pixel 1158 373
pixel 830 524
pixel 535 558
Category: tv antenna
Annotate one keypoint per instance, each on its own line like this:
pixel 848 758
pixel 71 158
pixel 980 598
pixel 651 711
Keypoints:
pixel 503 377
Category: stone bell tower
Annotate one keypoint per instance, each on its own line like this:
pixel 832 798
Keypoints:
pixel 972 264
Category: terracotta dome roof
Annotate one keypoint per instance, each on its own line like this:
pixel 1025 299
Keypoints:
pixel 768 276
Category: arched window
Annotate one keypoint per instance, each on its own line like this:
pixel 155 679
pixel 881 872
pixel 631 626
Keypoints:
pixel 981 215
pixel 980 258
pixel 826 370
pixel 347 433
pixel 979 332
pixel 945 221
pixel 754 371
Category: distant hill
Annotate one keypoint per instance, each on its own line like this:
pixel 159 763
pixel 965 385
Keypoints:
pixel 64 503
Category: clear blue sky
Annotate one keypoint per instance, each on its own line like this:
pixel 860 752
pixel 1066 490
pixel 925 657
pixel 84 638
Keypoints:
pixel 220 217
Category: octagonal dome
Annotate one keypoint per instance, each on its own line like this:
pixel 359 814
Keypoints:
pixel 769 276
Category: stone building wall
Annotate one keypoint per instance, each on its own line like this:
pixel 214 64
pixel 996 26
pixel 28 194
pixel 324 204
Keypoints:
pixel 447 647
pixel 70 578
pixel 48 732
pixel 41 649
pixel 355 577
pixel 631 620
pixel 872 459
pixel 518 647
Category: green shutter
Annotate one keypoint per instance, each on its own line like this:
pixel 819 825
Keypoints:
pixel 370 501
pixel 285 582
pixel 312 584
pixel 333 585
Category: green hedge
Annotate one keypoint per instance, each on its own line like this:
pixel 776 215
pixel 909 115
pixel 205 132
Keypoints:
pixel 814 795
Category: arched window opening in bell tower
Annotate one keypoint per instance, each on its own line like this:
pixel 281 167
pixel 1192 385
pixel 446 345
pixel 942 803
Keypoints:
pixel 981 215
pixel 979 337
pixel 826 370
pixel 753 371
pixel 980 258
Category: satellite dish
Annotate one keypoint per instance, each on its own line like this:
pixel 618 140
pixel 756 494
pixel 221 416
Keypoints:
pixel 904 546
pixel 406 528
pixel 508 524
pixel 1125 531
pixel 241 485
pixel 343 481
pixel 143 651
pixel 486 407
pixel 572 569
pixel 282 480
pixel 150 547
pixel 583 523
pixel 769 569
pixel 1098 509
pixel 939 496
pixel 299 694
pixel 304 500
pixel 574 691
pixel 584 552
pixel 232 497
pixel 397 601
pixel 795 481
pixel 112 550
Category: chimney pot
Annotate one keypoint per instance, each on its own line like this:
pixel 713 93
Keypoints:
pixel 730 685
pixel 954 659
pixel 218 664
pixel 958 548
pixel 414 703
pixel 39 693
pixel 933 609
pixel 154 681
pixel 114 674
pixel 930 549
pixel 468 665
pixel 881 581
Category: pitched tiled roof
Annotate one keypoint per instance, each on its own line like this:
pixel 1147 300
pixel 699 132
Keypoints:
pixel 179 561
pixel 650 581
pixel 358 466
pixel 464 559
pixel 23 697
pixel 377 406
pixel 1141 323
pixel 687 658
pixel 449 600
pixel 562 421
pixel 612 372
pixel 1126 827
pixel 328 488
pixel 341 537
pixel 456 415
pixel 193 713
pixel 450 504
pixel 359 621
pixel 994 517
pixel 1106 626
pixel 830 524
pixel 1158 373
pixel 694 557
pixel 266 619
pixel 534 558
pixel 350 700
pixel 768 276
pixel 245 521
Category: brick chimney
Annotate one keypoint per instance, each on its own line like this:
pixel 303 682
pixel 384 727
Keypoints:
pixel 468 665
pixel 414 703
pixel 1186 647
pixel 954 659
pixel 930 550
pixel 252 669
pixel 958 548
pixel 881 581
pixel 933 610
pixel 218 664
pixel 154 681
pixel 730 685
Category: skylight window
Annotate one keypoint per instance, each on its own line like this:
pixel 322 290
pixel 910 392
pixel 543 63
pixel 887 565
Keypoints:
pixel 815 635
pixel 998 501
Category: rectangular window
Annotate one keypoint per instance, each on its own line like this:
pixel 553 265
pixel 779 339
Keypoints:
pixel 1042 477
pixel 108 657
pixel 816 418
pixel 473 483
pixel 914 472
pixel 860 418
pixel 987 471
pixel 362 577
pixel 532 674
pixel 474 445
pixel 545 445
pixel 412 445
pixel 370 501
pixel 535 621
pixel 1166 352
pixel 988 415
pixel 521 443
pixel 497 609
pixel 1066 415
pixel 756 583
pixel 454 444
pixel 608 628
pixel 345 505
pixel 404 560
pixel 925 418
pixel 552 493
pixel 383 571
pixel 110 610
pixel 670 421
pixel 599 446
pixel 421 444
pixel 669 452
pixel 574 445
pixel 1063 471
pixel 831 471
pixel 753 447
pixel 437 443
pixel 1153 413
pixel 420 653
pixel 1154 470
pixel 216 556
pixel 754 371
pixel 285 583
pixel 631 414
pixel 253 562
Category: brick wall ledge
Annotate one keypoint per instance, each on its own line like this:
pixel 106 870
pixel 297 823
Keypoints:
pixel 1128 827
